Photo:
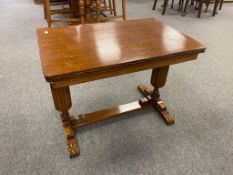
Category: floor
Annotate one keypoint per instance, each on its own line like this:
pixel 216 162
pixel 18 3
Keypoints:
pixel 199 94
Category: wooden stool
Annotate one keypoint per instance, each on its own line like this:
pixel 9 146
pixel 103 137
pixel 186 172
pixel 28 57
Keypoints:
pixel 108 7
pixel 72 9
pixel 97 7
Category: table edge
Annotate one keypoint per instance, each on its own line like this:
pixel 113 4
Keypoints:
pixel 118 66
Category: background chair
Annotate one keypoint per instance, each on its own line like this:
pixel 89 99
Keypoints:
pixel 110 6
pixel 64 7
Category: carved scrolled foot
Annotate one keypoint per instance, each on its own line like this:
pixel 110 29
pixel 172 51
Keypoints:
pixel 157 104
pixel 144 90
pixel 162 110
pixel 72 148
pixel 71 142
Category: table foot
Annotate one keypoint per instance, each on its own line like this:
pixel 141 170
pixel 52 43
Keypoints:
pixel 162 110
pixel 157 103
pixel 72 148
pixel 71 142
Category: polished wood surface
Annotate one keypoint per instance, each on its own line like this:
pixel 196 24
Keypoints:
pixel 73 55
pixel 72 51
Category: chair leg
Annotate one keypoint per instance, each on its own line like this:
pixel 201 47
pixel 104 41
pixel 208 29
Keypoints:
pixel 220 7
pixel 114 7
pixel 207 5
pixel 105 4
pixel 185 8
pixel 98 11
pixel 154 5
pixel 110 6
pixel 215 7
pixel 196 5
pixel 172 4
pixel 165 7
pixel 70 3
pixel 123 10
pixel 200 8
pixel 81 11
pixel 181 3
pixel 192 3
pixel 47 10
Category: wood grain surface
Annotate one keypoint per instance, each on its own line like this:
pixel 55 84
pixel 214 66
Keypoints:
pixel 75 50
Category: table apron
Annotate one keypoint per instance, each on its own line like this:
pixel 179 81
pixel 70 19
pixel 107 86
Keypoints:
pixel 95 75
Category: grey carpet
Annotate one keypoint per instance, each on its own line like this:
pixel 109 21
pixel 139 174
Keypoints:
pixel 199 94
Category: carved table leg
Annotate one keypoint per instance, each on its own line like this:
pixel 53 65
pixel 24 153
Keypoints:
pixel 81 11
pixel 73 5
pixel 123 10
pixel 114 8
pixel 87 9
pixel 158 80
pixel 98 11
pixel 62 102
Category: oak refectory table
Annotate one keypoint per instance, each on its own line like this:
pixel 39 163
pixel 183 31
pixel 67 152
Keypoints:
pixel 77 54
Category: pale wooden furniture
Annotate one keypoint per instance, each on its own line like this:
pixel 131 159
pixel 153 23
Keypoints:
pixel 72 9
pixel 99 7
pixel 77 54
pixel 82 11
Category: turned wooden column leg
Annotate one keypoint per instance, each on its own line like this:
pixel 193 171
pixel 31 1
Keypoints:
pixel 114 7
pixel 110 6
pixel 215 7
pixel 74 7
pixel 47 11
pixel 200 8
pixel 98 11
pixel 154 5
pixel 165 6
pixel 158 80
pixel 123 10
pixel 87 10
pixel 81 11
pixel 207 5
pixel 184 10
pixel 62 102
pixel 172 4
pixel 221 2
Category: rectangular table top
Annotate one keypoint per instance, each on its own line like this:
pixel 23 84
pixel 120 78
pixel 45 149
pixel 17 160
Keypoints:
pixel 73 50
